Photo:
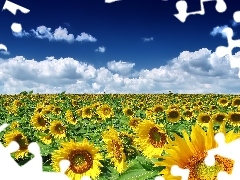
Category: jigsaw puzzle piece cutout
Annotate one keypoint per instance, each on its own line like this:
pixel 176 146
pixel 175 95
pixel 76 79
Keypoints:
pixel 177 171
pixel 12 7
pixel 64 164
pixel 182 7
pixel 222 50
pixel 6 158
pixel 236 16
pixel 36 161
pixel 228 150
pixel 221 6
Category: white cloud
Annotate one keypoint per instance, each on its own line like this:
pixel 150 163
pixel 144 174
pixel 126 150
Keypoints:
pixel 85 37
pixel 147 39
pixel 5 52
pixel 59 34
pixel 42 32
pixel 21 34
pixel 120 67
pixel 219 30
pixel 191 72
pixel 62 34
pixel 100 49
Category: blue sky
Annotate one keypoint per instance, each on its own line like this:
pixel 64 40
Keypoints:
pixel 130 46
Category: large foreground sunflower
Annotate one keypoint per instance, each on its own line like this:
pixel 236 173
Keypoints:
pixel 115 149
pixel 190 154
pixel 22 141
pixel 151 138
pixel 84 159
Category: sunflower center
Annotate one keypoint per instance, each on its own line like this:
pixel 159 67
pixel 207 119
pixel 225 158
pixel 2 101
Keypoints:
pixel 106 111
pixel 237 102
pixel 205 119
pixel 87 111
pixel 235 117
pixel 220 118
pixel 158 109
pixel 173 114
pixel 116 150
pixel 59 129
pixel 81 161
pixel 129 112
pixel 39 110
pixel 21 141
pixel 57 110
pixel 188 113
pixel 41 121
pixel 199 170
pixel 213 107
pixel 157 139
pixel 223 101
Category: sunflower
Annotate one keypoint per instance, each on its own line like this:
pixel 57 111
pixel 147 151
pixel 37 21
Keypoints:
pixel 115 149
pixel 151 138
pixel 223 102
pixel 79 112
pixel 236 102
pixel 46 139
pixel 83 156
pixel 56 110
pixel 70 118
pixel 213 107
pixel 173 115
pixel 47 109
pixel 17 103
pixel 57 129
pixel 128 111
pixel 190 152
pixel 204 118
pixel 188 115
pixel 234 118
pixel 22 141
pixel 96 105
pixel 39 122
pixel 219 118
pixel 105 111
pixel 158 108
pixel 133 122
pixel 87 112
pixel 74 102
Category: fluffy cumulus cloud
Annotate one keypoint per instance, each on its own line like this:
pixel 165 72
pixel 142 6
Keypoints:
pixel 120 67
pixel 190 72
pixel 59 34
pixel 85 37
pixel 100 49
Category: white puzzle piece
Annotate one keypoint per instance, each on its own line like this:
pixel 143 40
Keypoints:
pixel 182 6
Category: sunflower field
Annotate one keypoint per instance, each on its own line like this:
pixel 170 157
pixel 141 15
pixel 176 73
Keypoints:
pixel 122 136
